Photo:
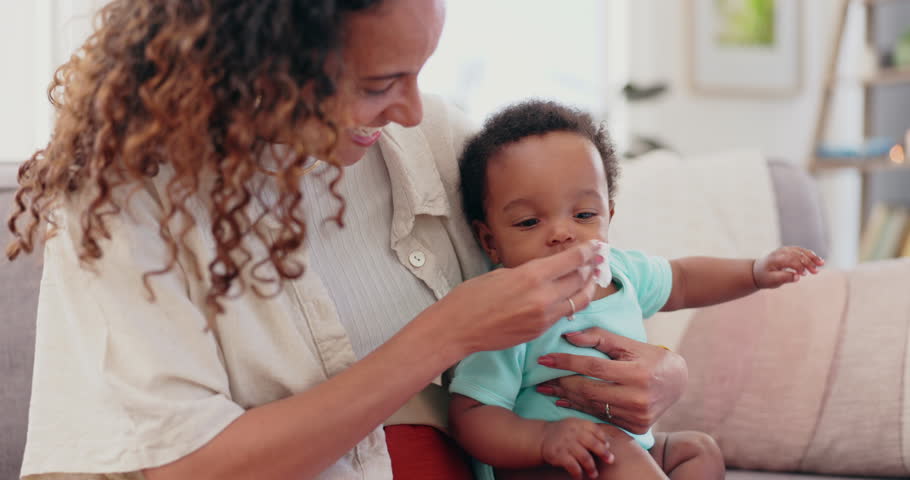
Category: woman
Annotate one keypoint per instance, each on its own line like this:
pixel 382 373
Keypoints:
pixel 184 331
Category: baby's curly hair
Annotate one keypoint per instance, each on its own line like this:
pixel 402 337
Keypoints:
pixel 204 87
pixel 519 121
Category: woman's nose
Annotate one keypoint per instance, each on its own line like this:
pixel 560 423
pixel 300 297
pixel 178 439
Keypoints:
pixel 408 110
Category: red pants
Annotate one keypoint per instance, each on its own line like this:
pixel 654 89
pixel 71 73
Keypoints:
pixel 420 452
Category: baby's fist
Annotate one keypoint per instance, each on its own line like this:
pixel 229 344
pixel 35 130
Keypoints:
pixel 784 265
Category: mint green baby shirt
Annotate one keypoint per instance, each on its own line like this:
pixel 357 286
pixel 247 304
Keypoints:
pixel 507 378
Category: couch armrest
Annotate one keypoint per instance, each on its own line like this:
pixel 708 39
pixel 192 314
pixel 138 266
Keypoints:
pixel 802 221
pixel 812 376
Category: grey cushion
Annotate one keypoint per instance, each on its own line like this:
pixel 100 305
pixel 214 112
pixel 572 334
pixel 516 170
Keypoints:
pixel 802 221
pixel 18 303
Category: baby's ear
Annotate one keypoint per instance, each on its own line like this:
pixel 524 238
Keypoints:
pixel 486 239
pixel 612 209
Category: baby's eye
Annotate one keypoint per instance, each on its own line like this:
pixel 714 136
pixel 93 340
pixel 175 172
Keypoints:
pixel 585 215
pixel 527 223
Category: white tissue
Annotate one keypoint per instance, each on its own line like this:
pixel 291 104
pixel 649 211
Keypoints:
pixel 605 276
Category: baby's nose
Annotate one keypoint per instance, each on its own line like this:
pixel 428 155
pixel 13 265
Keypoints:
pixel 560 236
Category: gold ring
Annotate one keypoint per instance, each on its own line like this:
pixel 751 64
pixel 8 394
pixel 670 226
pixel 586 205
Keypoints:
pixel 572 306
pixel 665 348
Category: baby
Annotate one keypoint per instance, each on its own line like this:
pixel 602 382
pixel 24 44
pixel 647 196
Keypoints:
pixel 537 179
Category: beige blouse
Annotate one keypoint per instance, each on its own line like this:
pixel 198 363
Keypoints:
pixel 121 384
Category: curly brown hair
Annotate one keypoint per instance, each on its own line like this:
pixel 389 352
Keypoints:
pixel 204 87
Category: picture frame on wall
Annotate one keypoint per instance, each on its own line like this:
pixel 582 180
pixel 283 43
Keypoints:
pixel 745 47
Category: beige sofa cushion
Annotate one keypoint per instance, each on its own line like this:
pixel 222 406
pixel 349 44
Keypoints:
pixel 810 377
pixel 720 205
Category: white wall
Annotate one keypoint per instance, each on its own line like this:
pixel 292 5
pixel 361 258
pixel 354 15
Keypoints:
pixel 549 50
pixel 780 128
pixel 21 53
pixel 35 37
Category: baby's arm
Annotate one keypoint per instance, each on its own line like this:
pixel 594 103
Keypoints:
pixel 498 437
pixel 701 281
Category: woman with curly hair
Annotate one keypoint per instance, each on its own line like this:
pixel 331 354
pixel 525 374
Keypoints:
pixel 203 314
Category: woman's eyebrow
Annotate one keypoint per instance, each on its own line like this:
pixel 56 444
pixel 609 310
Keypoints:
pixel 390 76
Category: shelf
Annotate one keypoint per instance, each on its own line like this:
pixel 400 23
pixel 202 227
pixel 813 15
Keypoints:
pixel 864 164
pixel 889 76
pixel 873 3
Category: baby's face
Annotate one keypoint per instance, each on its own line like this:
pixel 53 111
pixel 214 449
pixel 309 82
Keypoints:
pixel 544 194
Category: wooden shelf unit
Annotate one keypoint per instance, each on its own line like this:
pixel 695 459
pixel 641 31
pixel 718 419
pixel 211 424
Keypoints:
pixel 888 76
pixel 872 3
pixel 866 166
pixel 862 164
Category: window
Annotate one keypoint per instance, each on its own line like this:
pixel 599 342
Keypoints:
pixel 492 54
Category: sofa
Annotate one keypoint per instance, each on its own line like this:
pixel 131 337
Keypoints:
pixel 797 214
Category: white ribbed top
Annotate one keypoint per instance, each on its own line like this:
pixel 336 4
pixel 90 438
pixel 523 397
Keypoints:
pixel 375 295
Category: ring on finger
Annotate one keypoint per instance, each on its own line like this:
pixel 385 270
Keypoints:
pixel 572 306
pixel 607 411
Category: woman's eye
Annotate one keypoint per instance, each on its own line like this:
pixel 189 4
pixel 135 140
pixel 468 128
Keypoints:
pixel 527 223
pixel 585 215
pixel 372 92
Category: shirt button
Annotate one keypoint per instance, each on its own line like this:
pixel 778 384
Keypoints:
pixel 417 259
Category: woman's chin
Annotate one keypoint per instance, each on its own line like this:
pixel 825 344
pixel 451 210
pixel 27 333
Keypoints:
pixel 349 154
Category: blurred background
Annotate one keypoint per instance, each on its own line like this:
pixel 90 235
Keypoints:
pixel 822 84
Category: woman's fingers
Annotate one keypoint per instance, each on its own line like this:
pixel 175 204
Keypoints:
pixel 595 367
pixel 513 305
pixel 576 301
pixel 639 383
pixel 629 419
pixel 593 396
pixel 569 261
pixel 615 346
pixel 568 275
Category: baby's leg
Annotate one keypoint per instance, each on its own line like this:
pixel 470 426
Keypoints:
pixel 688 455
pixel 630 461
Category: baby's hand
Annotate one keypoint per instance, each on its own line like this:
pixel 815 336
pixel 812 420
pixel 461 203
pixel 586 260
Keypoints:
pixel 784 265
pixel 572 443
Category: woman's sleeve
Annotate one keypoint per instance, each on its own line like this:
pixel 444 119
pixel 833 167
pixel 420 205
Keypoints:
pixel 120 383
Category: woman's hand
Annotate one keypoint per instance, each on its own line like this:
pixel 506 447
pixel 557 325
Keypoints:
pixel 509 306
pixel 641 381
